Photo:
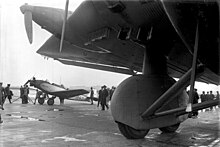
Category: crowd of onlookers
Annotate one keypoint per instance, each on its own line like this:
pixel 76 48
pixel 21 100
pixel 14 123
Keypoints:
pixel 104 95
pixel 4 94
pixel 204 97
pixel 208 96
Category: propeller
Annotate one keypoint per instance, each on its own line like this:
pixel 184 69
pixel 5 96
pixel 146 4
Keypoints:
pixel 64 25
pixel 27 11
pixel 28 25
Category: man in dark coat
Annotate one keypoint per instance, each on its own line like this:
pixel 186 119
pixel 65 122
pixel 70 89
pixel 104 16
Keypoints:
pixel 8 93
pixel 195 101
pixel 211 97
pixel 91 95
pixel 203 97
pixel 100 95
pixel 2 92
pixel 104 95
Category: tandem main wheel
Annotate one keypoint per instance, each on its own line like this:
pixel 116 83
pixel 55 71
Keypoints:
pixel 50 101
pixel 131 133
pixel 41 101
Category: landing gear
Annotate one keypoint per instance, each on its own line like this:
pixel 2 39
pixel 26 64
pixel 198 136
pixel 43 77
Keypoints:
pixel 131 133
pixel 41 101
pixel 170 129
pixel 139 93
pixel 61 101
pixel 50 101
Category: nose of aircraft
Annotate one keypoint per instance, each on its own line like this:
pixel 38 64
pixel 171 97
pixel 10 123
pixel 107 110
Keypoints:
pixel 25 8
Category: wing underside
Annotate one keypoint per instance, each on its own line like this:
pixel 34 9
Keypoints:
pixel 102 44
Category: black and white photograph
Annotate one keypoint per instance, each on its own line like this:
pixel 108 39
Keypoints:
pixel 109 73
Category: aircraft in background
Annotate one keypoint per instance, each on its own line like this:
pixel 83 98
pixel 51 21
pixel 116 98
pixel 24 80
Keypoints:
pixel 54 90
pixel 160 39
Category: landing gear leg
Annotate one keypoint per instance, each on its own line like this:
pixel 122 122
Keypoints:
pixel 61 101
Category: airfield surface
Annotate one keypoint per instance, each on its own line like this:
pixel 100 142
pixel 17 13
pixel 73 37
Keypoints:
pixel 81 124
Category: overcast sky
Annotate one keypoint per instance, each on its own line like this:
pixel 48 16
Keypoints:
pixel 20 62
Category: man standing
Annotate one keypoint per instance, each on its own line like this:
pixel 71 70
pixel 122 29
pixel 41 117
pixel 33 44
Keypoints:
pixel 1 100
pixel 91 95
pixel 203 97
pixel 195 101
pixel 100 96
pixel 104 95
pixel 38 94
pixel 8 93
pixel 111 92
pixel 211 97
pixel 217 98
pixel 26 92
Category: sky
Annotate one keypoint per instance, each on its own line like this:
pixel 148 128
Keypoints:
pixel 20 62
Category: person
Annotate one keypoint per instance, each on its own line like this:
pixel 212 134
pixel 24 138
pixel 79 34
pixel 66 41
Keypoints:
pixel 104 95
pixel 203 97
pixel 22 94
pixel 217 97
pixel 207 99
pixel 8 93
pixel 195 97
pixel 91 95
pixel 2 92
pixel 211 97
pixel 25 95
pixel 111 92
pixel 38 94
pixel 99 98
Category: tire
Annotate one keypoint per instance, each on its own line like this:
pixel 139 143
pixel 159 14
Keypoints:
pixel 170 129
pixel 131 133
pixel 50 101
pixel 41 101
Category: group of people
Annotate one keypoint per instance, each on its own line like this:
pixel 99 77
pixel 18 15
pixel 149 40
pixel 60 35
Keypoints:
pixel 4 93
pixel 103 95
pixel 208 96
pixel 24 91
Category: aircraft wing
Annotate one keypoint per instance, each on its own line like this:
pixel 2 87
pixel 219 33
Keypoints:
pixel 109 35
pixel 69 93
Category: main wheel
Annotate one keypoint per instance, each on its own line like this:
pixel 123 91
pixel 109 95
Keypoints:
pixel 41 101
pixel 131 133
pixel 50 101
pixel 170 129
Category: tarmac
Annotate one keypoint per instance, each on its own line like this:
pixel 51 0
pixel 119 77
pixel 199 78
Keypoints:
pixel 79 124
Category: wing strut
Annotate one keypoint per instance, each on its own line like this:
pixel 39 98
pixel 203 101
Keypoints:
pixel 172 92
pixel 192 79
pixel 64 25
pixel 188 78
